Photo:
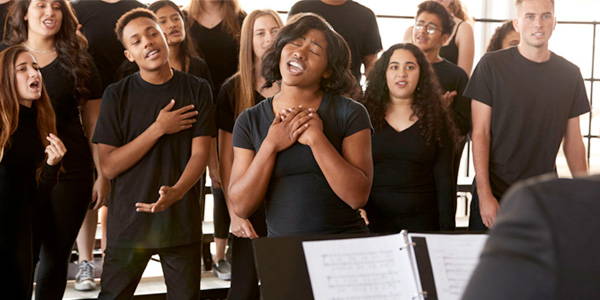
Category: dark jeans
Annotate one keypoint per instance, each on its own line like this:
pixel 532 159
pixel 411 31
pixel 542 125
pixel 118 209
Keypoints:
pixel 123 269
pixel 55 230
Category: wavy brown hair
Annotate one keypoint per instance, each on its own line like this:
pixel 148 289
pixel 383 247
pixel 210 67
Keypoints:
pixel 231 15
pixel 435 126
pixel 246 81
pixel 71 45
pixel 9 102
pixel 341 81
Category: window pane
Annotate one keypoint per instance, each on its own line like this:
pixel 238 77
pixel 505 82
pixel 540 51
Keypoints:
pixel 574 42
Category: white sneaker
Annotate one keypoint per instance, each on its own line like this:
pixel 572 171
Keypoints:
pixel 84 280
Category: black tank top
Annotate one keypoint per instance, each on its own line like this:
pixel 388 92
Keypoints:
pixel 450 51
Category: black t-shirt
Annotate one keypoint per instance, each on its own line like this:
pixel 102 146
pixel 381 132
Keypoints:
pixel 219 49
pixel 98 19
pixel 410 176
pixel 3 12
pixel 454 78
pixel 60 85
pixel 353 21
pixel 129 107
pixel 199 68
pixel 299 200
pixel 226 102
pixel 531 104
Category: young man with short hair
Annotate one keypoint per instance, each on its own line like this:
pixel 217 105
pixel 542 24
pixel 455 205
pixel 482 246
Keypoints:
pixel 526 101
pixel 433 27
pixel 153 137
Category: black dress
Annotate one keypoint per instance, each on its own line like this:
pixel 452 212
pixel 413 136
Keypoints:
pixel 219 49
pixel 18 192
pixel 412 182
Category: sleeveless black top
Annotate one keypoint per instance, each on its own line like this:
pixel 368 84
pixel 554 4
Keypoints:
pixel 450 51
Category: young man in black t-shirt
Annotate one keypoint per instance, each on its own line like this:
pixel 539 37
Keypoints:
pixel 154 134
pixel 433 27
pixel 353 21
pixel 527 100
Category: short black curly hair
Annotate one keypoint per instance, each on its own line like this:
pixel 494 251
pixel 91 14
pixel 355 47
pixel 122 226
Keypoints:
pixel 130 16
pixel 340 81
pixel 434 7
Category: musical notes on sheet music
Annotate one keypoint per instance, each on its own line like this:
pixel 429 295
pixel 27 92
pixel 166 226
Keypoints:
pixel 360 269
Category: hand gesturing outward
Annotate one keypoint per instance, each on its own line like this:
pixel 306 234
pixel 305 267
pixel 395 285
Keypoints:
pixel 172 121
pixel 167 196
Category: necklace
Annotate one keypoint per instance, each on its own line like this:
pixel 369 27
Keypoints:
pixel 53 50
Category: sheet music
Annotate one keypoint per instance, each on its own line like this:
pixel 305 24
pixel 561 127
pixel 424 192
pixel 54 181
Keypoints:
pixel 360 269
pixel 453 259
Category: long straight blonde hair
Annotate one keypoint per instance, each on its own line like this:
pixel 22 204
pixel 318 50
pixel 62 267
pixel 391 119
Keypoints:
pixel 245 85
pixel 9 102
pixel 231 14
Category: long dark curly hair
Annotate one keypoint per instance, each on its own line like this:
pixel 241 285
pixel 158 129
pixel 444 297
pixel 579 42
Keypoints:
pixel 341 80
pixel 71 45
pixel 435 123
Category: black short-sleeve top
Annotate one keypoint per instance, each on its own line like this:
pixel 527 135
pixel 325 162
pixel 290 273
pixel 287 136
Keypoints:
pixel 129 107
pixel 531 104
pixel 60 85
pixel 299 200
pixel 226 101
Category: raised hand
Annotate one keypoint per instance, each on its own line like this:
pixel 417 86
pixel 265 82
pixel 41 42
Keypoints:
pixel 55 151
pixel 170 122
